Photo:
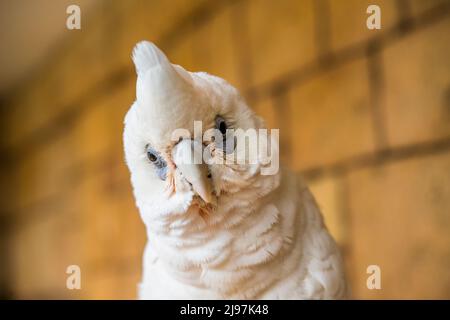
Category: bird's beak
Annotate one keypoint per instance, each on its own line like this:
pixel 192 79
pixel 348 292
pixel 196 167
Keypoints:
pixel 187 156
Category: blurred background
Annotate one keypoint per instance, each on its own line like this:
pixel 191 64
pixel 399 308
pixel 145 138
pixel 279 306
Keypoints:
pixel 363 114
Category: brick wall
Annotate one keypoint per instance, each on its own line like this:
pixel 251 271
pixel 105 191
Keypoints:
pixel 364 116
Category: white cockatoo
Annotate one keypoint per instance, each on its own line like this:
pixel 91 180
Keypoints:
pixel 218 229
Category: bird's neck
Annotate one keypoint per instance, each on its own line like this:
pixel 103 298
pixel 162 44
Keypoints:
pixel 247 232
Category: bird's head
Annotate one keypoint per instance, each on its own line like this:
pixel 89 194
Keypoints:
pixel 180 138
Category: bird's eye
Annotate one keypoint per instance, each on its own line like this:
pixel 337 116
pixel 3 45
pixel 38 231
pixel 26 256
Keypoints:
pixel 151 156
pixel 228 141
pixel 221 125
pixel 158 162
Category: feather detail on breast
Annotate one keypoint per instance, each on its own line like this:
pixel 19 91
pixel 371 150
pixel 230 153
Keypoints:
pixel 325 279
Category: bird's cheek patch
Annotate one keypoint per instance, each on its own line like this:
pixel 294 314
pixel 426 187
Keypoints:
pixel 162 173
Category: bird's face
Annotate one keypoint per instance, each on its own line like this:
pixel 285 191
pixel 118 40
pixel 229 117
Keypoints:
pixel 179 137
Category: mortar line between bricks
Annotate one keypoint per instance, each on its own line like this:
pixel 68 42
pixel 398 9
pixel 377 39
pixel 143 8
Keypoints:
pixel 352 52
pixel 25 214
pixel 322 31
pixel 305 73
pixel 344 212
pixel 403 8
pixel 282 102
pixel 376 93
pixel 379 158
pixel 239 20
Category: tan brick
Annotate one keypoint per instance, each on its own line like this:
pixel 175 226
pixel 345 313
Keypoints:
pixel 108 229
pixel 100 218
pixel 328 192
pixel 48 168
pixel 73 76
pixel 118 103
pixel 183 53
pixel 150 20
pixel 86 64
pixel 331 118
pixel 132 232
pixel 281 37
pixel 93 136
pixel 417 86
pixel 111 219
pixel 5 277
pixel 101 283
pixel 266 110
pixel 44 171
pixel 400 221
pixel 42 248
pixel 111 223
pixel 110 283
pixel 276 117
pixel 87 58
pixel 31 109
pixel 214 47
pixel 100 127
pixel 348 21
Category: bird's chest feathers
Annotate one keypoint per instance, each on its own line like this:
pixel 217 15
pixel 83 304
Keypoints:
pixel 227 246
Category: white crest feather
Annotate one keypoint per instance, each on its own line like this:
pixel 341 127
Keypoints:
pixel 146 56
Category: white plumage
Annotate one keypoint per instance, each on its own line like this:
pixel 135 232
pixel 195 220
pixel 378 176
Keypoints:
pixel 218 231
